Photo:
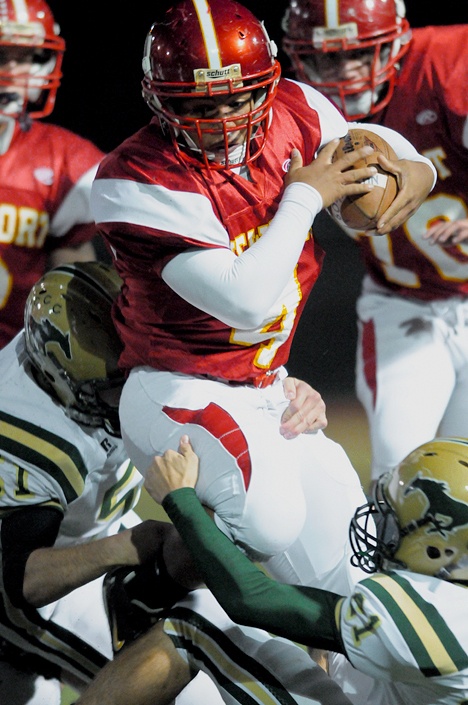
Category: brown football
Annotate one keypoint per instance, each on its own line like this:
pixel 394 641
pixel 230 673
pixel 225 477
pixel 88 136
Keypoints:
pixel 362 212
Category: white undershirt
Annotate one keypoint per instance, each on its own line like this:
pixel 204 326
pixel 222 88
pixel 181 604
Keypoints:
pixel 239 290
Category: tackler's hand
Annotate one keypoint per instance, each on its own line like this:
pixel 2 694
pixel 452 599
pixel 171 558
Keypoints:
pixel 171 471
pixel 306 412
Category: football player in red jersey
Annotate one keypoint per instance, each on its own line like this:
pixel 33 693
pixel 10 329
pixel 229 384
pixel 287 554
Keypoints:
pixel 45 171
pixel 412 358
pixel 217 260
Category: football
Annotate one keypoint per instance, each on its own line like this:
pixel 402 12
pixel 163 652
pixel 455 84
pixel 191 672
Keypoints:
pixel 362 212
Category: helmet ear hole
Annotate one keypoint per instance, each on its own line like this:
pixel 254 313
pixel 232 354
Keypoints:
pixel 49 377
pixel 95 317
pixel 433 552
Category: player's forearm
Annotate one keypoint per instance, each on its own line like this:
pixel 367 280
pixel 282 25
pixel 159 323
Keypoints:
pixel 52 573
pixel 249 596
pixel 220 283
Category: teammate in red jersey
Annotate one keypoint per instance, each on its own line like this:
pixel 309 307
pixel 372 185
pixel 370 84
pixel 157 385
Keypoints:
pixel 45 171
pixel 412 359
pixel 217 260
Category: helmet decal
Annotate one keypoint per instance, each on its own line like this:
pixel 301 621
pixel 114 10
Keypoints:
pixel 47 336
pixel 443 512
pixel 72 343
pixel 208 31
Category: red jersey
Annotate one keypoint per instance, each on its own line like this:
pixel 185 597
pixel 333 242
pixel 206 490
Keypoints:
pixel 45 184
pixel 149 207
pixel 429 108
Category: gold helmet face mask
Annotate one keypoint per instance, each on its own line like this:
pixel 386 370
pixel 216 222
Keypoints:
pixel 72 343
pixel 421 509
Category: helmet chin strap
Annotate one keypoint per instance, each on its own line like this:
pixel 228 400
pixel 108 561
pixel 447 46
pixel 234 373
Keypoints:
pixel 8 97
pixel 13 107
pixel 358 104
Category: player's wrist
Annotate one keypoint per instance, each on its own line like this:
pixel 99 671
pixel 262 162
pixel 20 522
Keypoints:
pixel 302 195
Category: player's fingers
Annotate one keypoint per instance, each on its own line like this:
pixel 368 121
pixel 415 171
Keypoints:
pixel 415 180
pixel 397 213
pixel 327 151
pixel 384 160
pixel 304 421
pixel 295 165
pixel 363 174
pixel 185 445
pixel 306 425
pixel 296 160
pixel 315 423
pixel 349 159
pixel 450 232
pixel 388 164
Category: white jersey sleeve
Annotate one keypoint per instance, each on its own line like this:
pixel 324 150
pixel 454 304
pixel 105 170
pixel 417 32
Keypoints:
pixel 46 459
pixel 410 632
pixel 219 282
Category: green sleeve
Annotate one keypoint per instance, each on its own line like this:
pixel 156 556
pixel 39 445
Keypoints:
pixel 303 614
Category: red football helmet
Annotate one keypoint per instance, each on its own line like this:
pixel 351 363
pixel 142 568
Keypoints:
pixel 29 37
pixel 215 50
pixel 321 34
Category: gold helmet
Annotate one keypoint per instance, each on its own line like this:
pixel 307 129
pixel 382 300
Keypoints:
pixel 72 343
pixel 421 512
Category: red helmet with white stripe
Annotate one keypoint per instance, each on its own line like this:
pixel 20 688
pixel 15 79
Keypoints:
pixel 31 53
pixel 320 35
pixel 214 51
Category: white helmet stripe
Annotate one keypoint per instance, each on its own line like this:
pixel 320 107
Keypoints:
pixel 331 13
pixel 20 10
pixel 209 34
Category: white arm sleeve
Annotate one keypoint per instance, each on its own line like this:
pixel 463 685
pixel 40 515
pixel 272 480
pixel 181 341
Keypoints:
pixel 239 290
pixel 403 149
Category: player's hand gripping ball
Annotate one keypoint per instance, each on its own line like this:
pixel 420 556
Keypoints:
pixel 362 212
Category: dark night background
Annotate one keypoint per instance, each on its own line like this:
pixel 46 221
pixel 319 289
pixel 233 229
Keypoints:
pixel 100 99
